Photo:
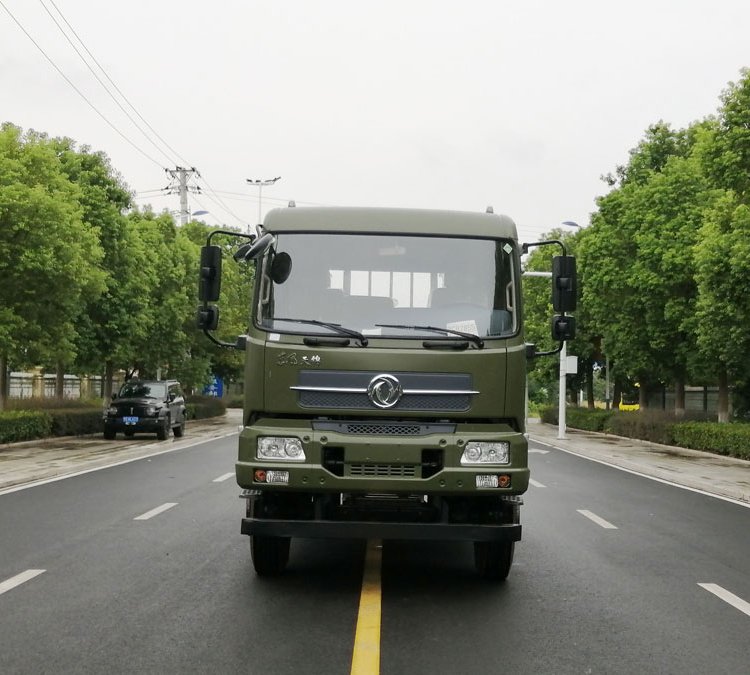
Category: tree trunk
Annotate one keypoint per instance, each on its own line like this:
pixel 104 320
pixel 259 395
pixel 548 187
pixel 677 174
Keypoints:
pixel 723 396
pixel 643 396
pixel 679 398
pixel 109 373
pixel 590 385
pixel 3 380
pixel 616 395
pixel 60 382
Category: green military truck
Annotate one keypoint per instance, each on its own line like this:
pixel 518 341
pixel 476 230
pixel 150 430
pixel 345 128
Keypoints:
pixel 385 378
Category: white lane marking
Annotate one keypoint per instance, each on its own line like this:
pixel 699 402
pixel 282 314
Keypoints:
pixel 726 596
pixel 536 483
pixel 599 521
pixel 156 511
pixel 645 475
pixel 19 579
pixel 223 477
pixel 54 479
pixel 537 451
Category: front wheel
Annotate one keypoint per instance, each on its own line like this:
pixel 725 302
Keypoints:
pixel 270 554
pixel 179 430
pixel 162 432
pixel 493 559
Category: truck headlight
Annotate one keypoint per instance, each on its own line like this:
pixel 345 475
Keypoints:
pixel 485 452
pixel 283 448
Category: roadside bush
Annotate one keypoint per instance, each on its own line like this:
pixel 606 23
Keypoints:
pixel 548 414
pixel 202 407
pixel 724 439
pixel 577 418
pixel 588 420
pixel 236 402
pixel 76 422
pixel 24 425
pixel 647 425
pixel 52 403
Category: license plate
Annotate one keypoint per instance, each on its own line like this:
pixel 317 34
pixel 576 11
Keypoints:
pixel 130 420
pixel 487 481
pixel 277 477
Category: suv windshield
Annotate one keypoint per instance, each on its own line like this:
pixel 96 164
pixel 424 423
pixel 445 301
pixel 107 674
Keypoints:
pixel 408 283
pixel 143 390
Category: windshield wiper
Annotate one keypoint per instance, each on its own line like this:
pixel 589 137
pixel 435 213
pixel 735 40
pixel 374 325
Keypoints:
pixel 337 328
pixel 436 329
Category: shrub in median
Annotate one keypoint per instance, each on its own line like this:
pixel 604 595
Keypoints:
pixel 24 425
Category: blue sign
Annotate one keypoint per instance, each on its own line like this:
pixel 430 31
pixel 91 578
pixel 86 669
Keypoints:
pixel 214 388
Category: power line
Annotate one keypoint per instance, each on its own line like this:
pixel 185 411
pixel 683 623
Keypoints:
pixel 112 82
pixel 98 79
pixel 77 90
pixel 219 199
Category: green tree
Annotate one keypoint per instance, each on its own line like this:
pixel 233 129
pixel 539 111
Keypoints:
pixel 49 258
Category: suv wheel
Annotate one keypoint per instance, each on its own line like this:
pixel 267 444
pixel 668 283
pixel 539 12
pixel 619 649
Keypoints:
pixel 163 432
pixel 179 430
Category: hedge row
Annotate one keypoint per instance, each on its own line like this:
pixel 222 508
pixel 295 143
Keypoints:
pixel 39 422
pixel 202 407
pixel 659 426
pixel 24 425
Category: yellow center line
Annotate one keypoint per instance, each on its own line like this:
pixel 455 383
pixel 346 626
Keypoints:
pixel 366 656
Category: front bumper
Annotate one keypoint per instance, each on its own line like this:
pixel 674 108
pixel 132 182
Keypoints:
pixel 329 529
pixel 383 463
pixel 144 424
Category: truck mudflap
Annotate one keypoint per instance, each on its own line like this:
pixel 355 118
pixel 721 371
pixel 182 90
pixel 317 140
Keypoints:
pixel 331 529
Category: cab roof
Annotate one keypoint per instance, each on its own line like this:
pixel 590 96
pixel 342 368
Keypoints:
pixel 390 221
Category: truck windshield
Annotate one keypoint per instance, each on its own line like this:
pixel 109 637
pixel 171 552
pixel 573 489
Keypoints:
pixel 360 281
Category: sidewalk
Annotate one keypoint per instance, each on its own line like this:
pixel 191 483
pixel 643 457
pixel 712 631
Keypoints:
pixel 715 474
pixel 50 458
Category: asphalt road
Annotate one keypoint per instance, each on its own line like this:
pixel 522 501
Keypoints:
pixel 145 572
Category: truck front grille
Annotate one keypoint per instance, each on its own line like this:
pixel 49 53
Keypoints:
pixel 384 427
pixel 383 470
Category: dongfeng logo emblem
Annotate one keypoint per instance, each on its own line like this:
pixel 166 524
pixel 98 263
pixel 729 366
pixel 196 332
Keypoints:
pixel 384 391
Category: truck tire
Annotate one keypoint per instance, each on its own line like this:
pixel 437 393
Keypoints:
pixel 179 430
pixel 493 559
pixel 270 554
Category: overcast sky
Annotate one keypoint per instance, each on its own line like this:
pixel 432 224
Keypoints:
pixel 426 104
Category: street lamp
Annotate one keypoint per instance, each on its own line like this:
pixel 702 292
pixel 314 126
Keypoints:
pixel 260 184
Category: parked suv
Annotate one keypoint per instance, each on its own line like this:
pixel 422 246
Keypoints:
pixel 145 406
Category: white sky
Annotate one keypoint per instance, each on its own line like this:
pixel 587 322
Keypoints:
pixel 426 104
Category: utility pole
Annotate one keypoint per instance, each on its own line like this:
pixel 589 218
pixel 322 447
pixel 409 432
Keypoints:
pixel 260 184
pixel 179 185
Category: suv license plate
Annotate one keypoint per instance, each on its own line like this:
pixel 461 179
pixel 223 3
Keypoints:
pixel 130 420
pixel 489 481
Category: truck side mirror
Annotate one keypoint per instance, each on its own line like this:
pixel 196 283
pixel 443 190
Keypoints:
pixel 563 328
pixel 207 317
pixel 209 283
pixel 564 283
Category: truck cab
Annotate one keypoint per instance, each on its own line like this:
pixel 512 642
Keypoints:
pixel 385 381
